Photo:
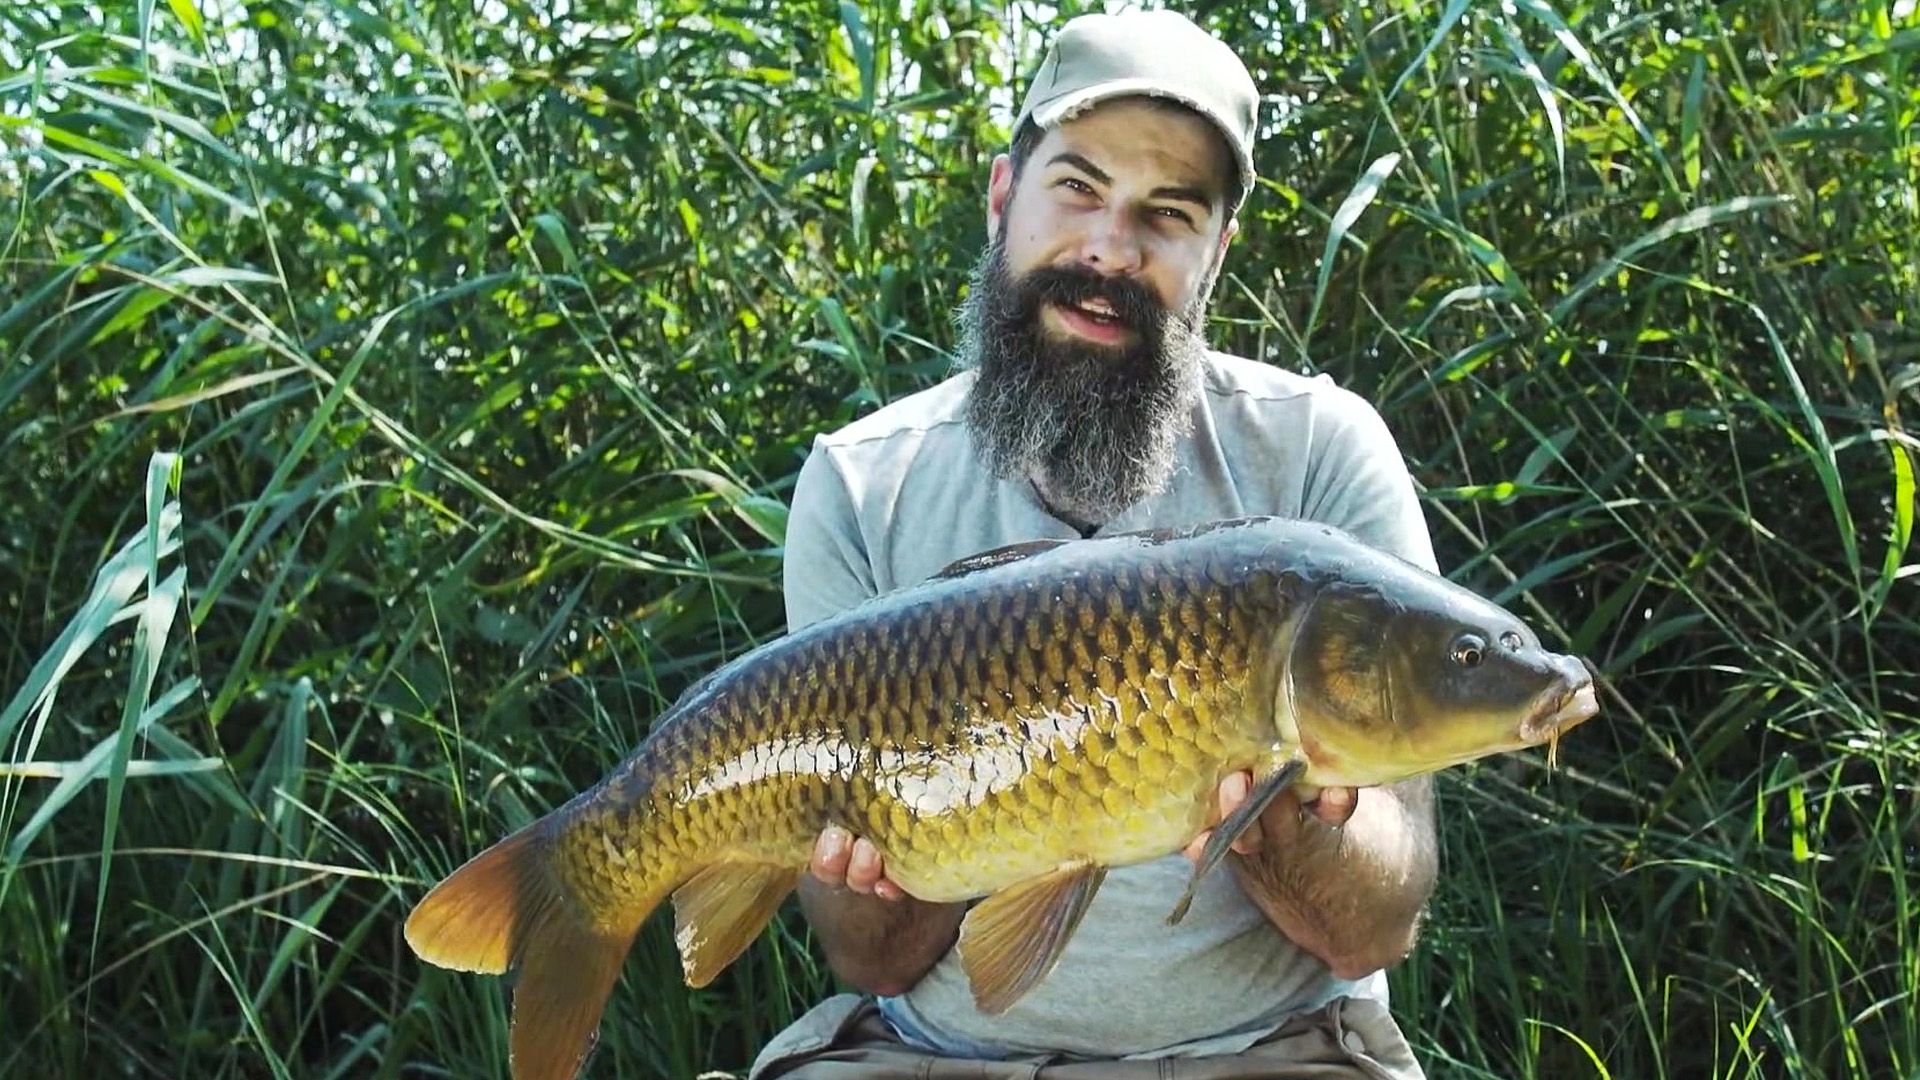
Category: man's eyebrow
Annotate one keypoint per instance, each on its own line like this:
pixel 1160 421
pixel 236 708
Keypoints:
pixel 1078 162
pixel 1180 192
pixel 1185 194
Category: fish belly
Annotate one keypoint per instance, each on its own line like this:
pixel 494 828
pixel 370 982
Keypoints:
pixel 1114 800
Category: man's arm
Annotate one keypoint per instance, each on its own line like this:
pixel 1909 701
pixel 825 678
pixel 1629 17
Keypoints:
pixel 875 937
pixel 1347 875
pixel 1350 894
pixel 1344 873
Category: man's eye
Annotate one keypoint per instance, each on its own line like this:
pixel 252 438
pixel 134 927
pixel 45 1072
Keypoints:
pixel 1077 185
pixel 1175 213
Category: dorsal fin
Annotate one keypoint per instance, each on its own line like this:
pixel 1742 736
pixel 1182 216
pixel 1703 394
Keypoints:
pixel 995 557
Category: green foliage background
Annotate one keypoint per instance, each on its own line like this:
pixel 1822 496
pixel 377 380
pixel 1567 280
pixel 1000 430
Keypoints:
pixel 398 404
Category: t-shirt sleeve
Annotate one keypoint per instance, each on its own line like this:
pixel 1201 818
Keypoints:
pixel 1360 482
pixel 826 568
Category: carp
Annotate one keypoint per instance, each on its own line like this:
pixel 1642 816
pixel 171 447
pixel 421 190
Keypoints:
pixel 1008 729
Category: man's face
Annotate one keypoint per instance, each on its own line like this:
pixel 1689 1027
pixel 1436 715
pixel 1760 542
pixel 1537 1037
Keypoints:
pixel 1085 314
pixel 1129 189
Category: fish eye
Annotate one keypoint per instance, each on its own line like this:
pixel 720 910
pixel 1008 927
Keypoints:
pixel 1469 650
pixel 1511 640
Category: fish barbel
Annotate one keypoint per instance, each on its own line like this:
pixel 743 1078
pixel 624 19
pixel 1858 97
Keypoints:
pixel 1009 729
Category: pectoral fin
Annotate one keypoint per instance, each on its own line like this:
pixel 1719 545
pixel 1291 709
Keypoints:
pixel 1012 939
pixel 720 910
pixel 1229 830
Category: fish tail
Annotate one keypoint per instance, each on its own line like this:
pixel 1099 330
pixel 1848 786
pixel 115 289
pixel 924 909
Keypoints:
pixel 507 911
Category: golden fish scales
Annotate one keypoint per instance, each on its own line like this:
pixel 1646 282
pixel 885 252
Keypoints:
pixel 976 743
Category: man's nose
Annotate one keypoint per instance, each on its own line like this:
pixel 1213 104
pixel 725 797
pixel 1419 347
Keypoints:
pixel 1112 244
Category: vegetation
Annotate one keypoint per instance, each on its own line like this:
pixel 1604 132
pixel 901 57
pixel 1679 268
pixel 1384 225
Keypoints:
pixel 398 405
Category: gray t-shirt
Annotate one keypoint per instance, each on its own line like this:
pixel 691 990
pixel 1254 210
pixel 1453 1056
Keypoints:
pixel 890 499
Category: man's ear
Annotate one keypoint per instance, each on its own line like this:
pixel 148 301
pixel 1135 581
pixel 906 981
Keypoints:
pixel 999 190
pixel 1227 234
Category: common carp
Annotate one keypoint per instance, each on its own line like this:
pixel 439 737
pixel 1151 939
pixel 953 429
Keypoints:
pixel 1008 729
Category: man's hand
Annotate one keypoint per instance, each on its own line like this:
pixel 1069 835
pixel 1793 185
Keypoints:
pixel 842 862
pixel 1342 872
pixel 1332 805
pixel 875 936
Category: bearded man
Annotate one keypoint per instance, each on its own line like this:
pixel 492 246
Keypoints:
pixel 1091 404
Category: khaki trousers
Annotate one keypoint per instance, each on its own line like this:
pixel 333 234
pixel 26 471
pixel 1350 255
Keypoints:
pixel 845 1038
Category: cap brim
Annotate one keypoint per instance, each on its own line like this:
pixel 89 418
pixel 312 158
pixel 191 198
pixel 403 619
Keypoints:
pixel 1055 110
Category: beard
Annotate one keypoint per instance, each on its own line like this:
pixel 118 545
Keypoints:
pixel 1094 427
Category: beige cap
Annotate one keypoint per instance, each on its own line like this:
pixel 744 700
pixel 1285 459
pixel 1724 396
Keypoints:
pixel 1159 53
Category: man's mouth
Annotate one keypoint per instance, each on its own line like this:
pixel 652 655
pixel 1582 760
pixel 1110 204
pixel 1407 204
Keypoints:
pixel 1099 311
pixel 1093 319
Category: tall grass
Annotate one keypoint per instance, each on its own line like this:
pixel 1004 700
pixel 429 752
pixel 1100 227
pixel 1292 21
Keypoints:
pixel 399 404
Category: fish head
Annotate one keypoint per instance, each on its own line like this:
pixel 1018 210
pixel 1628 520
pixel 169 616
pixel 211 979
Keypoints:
pixel 1389 679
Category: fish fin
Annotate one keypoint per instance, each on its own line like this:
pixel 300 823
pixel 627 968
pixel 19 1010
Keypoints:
pixel 1010 940
pixel 468 921
pixel 566 972
pixel 986 560
pixel 721 909
pixel 504 911
pixel 1229 830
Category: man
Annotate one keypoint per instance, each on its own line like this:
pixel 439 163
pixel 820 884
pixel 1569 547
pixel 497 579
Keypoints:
pixel 1092 405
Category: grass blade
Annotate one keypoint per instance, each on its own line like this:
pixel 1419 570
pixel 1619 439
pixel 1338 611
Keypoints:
pixel 74 776
pixel 1691 221
pixel 113 584
pixel 149 643
pixel 1542 11
pixel 1902 536
pixel 1448 19
pixel 1351 208
pixel 224 570
pixel 1690 122
pixel 1545 91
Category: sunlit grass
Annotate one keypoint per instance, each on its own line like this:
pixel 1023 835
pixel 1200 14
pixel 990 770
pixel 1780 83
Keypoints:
pixel 398 410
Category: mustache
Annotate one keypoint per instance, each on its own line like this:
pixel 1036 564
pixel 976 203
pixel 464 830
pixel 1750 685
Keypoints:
pixel 1133 304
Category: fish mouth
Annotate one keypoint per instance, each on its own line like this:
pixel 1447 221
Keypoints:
pixel 1559 714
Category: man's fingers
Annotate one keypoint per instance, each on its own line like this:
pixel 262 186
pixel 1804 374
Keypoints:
pixel 830 854
pixel 1332 806
pixel 843 862
pixel 1199 845
pixel 863 868
pixel 1234 791
pixel 1336 804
